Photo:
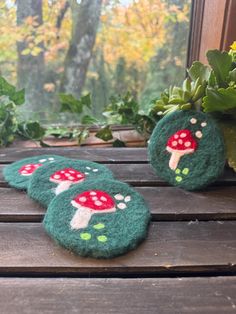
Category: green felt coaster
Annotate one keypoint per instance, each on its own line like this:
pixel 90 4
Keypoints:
pixel 55 178
pixel 100 219
pixel 187 149
pixel 19 173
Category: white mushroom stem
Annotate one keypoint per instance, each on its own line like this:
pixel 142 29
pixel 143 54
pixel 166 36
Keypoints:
pixel 81 218
pixel 63 186
pixel 174 159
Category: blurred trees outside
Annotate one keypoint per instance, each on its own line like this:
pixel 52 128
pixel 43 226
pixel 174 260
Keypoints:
pixel 101 47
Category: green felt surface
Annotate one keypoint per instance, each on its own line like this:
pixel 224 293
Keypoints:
pixel 195 170
pixel 15 179
pixel 42 190
pixel 107 235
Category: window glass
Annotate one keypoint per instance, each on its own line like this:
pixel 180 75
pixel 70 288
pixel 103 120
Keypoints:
pixel 101 47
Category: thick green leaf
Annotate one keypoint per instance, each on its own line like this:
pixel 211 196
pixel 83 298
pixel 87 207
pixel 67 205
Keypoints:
pixel 199 70
pixel 82 136
pixel 6 89
pixel 229 131
pixel 219 100
pixel 105 133
pixel 232 75
pixel 221 63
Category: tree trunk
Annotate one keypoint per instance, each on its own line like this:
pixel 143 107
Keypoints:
pixel 30 69
pixel 85 23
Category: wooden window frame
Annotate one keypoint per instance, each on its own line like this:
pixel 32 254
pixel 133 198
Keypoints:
pixel 213 26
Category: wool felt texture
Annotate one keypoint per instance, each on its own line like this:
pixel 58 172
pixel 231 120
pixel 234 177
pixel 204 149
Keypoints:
pixel 55 178
pixel 19 173
pixel 187 149
pixel 100 219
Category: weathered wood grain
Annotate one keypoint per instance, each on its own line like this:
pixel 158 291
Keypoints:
pixel 166 203
pixel 143 175
pixel 107 155
pixel 171 247
pixel 116 296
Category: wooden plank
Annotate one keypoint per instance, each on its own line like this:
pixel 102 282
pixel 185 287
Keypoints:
pixel 108 155
pixel 89 296
pixel 166 203
pixel 144 175
pixel 171 248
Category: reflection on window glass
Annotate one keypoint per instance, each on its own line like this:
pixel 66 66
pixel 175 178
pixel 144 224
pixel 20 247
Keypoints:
pixel 102 47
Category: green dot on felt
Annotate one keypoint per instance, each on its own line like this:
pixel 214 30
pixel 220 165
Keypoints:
pixel 185 171
pixel 178 179
pixel 102 238
pixel 85 236
pixel 99 226
pixel 177 171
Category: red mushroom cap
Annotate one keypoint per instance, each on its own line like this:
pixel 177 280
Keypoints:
pixel 182 140
pixel 95 200
pixel 67 174
pixel 28 169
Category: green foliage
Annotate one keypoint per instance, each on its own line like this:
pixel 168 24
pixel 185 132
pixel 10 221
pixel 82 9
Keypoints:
pixel 220 100
pixel 8 123
pixel 70 104
pixel 105 133
pixel 8 90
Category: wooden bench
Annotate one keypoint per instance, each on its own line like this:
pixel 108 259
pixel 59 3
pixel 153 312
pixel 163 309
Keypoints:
pixel 187 264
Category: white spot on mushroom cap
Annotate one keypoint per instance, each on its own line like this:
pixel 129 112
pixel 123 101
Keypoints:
pixel 67 174
pixel 193 121
pixel 71 178
pixel 27 168
pixel 56 176
pixel 103 198
pixel 198 134
pixel 94 198
pixel 182 135
pixel 83 199
pixel 98 203
pixel 79 175
pixel 180 141
pixel 203 124
pixel 93 193
pixel 174 143
pixel 119 197
pixel 121 206
pixel 71 171
pixel 187 144
pixel 176 136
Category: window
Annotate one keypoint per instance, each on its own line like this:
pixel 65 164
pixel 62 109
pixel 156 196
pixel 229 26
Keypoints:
pixel 105 48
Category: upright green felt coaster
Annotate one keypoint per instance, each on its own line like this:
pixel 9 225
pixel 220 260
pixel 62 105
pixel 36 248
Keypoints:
pixel 55 178
pixel 19 173
pixel 101 219
pixel 187 149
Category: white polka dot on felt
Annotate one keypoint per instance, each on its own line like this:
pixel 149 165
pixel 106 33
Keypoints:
pixel 187 144
pixel 180 141
pixel 51 158
pixel 42 160
pixel 119 197
pixel 203 124
pixel 24 171
pixel 79 175
pixel 71 178
pixel 198 134
pixel 88 168
pixel 103 198
pixel 193 121
pixel 121 206
pixel 93 193
pixel 86 173
pixel 182 135
pixel 94 198
pixel 176 136
pixel 174 143
pixel 67 174
pixel 56 176
pixel 127 198
pixel 27 168
pixel 62 171
pixel 98 203
pixel 95 170
pixel 82 199
pixel 71 171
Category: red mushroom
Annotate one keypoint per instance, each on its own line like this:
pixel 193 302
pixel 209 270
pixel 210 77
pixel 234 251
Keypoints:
pixel 27 170
pixel 89 203
pixel 65 178
pixel 180 144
